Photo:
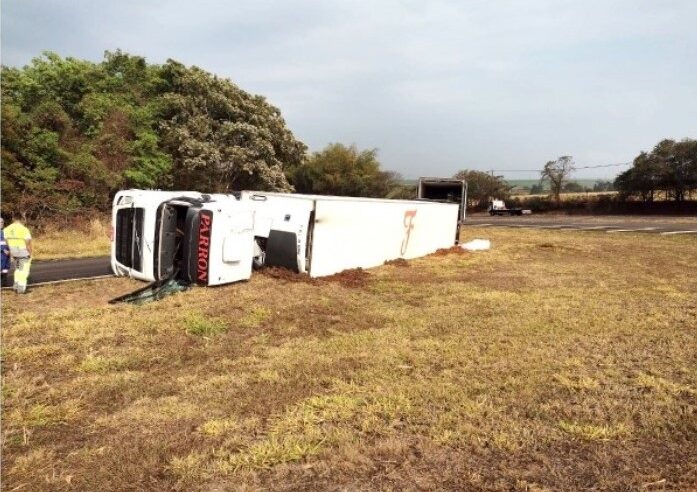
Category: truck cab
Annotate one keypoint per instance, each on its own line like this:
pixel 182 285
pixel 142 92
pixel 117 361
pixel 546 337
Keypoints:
pixel 207 239
pixel 498 207
pixel 158 235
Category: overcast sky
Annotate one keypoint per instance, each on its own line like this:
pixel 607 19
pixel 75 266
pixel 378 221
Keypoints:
pixel 436 86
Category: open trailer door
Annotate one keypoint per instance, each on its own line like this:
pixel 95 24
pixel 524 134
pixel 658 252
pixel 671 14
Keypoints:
pixel 444 190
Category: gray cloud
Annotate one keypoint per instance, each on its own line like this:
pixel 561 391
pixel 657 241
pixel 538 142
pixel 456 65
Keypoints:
pixel 436 86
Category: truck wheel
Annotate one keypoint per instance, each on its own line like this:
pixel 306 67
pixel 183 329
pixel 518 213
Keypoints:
pixel 492 212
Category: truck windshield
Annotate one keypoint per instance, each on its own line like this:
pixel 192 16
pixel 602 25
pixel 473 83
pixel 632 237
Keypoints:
pixel 129 237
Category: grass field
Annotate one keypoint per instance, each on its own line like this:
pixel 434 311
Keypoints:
pixel 89 239
pixel 559 360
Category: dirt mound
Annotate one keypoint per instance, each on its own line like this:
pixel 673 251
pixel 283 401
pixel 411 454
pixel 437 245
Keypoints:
pixel 398 262
pixel 355 278
pixel 452 250
pixel 286 275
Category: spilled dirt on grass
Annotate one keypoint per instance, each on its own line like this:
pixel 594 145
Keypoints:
pixel 286 275
pixel 526 367
pixel 354 278
pixel 398 262
pixel 453 250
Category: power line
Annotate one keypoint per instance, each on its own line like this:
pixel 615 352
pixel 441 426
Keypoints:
pixel 575 168
pixel 606 165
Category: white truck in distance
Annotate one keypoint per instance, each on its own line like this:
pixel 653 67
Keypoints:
pixel 498 207
pixel 213 239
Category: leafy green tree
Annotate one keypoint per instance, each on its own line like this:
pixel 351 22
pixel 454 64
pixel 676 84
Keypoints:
pixel 344 170
pixel 29 158
pixel 556 173
pixel 643 179
pixel 482 187
pixel 221 137
pixel 670 167
pixel 74 132
pixel 680 164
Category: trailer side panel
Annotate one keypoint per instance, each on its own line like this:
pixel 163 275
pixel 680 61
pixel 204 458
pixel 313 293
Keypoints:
pixel 352 234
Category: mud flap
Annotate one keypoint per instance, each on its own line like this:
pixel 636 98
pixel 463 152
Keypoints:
pixel 152 292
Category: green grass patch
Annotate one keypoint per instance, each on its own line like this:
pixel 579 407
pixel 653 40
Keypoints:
pixel 201 325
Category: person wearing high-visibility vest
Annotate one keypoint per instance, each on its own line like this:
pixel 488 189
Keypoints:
pixel 18 239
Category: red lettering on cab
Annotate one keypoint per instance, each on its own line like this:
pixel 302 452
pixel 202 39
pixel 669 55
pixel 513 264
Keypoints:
pixel 204 244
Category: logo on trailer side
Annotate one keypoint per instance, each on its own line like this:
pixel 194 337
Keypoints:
pixel 408 226
pixel 204 246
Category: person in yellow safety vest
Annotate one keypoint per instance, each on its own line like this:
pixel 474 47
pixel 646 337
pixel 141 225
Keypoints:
pixel 18 239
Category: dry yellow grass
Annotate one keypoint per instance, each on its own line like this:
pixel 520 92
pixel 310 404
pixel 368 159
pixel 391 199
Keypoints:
pixel 560 360
pixel 90 240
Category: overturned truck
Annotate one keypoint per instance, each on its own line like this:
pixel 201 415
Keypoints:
pixel 214 239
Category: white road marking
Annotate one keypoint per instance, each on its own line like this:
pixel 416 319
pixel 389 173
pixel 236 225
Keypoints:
pixel 678 232
pixel 639 229
pixel 593 228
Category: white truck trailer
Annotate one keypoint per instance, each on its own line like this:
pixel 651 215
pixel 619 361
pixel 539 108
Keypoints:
pixel 213 239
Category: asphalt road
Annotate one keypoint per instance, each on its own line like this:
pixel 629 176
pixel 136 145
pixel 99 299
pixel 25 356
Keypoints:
pixel 55 270
pixel 610 224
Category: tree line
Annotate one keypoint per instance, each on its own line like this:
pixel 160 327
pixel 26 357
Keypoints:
pixel 74 132
pixel 670 168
